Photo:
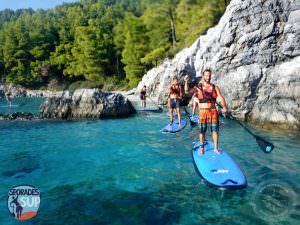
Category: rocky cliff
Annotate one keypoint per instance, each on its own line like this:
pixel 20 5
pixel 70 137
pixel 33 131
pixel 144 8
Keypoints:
pixel 254 53
pixel 86 103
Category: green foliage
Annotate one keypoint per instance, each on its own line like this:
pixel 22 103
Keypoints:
pixel 102 43
pixel 84 84
pixel 135 48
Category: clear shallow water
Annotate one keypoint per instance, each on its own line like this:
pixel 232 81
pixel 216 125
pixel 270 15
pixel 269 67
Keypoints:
pixel 124 171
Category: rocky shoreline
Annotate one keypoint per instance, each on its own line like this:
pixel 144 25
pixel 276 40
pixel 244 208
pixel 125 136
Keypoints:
pixel 254 55
pixel 57 106
pixel 80 104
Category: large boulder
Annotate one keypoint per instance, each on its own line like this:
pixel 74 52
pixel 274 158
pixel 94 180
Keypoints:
pixel 86 103
pixel 254 53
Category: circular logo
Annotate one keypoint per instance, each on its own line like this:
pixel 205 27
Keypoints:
pixel 273 200
pixel 23 201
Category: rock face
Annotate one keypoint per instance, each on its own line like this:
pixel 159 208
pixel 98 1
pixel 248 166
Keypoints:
pixel 18 116
pixel 86 103
pixel 254 54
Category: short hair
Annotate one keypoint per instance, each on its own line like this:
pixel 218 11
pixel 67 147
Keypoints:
pixel 175 78
pixel 206 70
pixel 144 85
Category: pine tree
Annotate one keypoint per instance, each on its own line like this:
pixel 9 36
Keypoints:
pixel 135 48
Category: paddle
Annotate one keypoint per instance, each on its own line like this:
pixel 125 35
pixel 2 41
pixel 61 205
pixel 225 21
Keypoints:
pixel 192 123
pixel 265 145
pixel 154 103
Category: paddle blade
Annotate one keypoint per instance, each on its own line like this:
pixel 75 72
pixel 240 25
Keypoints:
pixel 265 146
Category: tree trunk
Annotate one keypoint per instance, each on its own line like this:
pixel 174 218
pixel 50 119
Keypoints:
pixel 172 27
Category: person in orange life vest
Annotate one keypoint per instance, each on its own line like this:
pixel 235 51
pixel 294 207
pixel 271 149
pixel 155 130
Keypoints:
pixel 207 93
pixel 174 95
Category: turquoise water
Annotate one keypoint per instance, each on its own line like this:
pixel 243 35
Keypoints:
pixel 21 104
pixel 124 171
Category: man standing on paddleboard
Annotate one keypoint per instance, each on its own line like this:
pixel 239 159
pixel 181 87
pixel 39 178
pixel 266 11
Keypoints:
pixel 207 93
pixel 174 95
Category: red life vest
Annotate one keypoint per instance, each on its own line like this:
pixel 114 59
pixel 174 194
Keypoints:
pixel 174 90
pixel 208 94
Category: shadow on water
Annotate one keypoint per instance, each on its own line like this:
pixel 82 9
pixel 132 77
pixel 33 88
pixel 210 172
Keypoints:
pixel 18 164
pixel 172 203
pixel 95 207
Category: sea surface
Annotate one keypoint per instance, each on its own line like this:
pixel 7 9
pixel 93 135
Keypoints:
pixel 125 171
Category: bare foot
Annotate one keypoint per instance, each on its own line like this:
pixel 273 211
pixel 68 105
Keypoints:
pixel 201 151
pixel 217 151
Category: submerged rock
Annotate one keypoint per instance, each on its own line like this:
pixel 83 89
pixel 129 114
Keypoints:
pixel 254 54
pixel 86 103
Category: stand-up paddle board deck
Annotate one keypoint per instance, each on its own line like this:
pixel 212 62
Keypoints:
pixel 149 110
pixel 218 170
pixel 168 113
pixel 174 127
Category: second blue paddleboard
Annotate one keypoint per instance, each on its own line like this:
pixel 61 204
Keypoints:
pixel 174 127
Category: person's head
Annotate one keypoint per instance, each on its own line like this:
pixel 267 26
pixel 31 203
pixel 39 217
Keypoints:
pixel 175 80
pixel 144 87
pixel 207 75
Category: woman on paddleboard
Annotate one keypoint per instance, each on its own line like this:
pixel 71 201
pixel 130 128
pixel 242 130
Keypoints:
pixel 143 96
pixel 174 96
pixel 207 93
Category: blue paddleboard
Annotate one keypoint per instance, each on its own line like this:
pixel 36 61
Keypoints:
pixel 174 127
pixel 194 118
pixel 149 110
pixel 218 170
pixel 174 113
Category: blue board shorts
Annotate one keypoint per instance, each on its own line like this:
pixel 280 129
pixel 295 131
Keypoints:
pixel 174 103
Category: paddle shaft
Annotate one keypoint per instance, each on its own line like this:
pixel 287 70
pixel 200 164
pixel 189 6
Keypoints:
pixel 265 146
pixel 154 103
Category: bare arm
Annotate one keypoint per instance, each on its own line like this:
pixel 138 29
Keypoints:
pixel 222 99
pixel 180 92
pixel 186 84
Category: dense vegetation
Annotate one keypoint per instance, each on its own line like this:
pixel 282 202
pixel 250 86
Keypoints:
pixel 97 43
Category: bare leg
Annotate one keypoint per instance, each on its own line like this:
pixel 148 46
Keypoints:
pixel 194 107
pixel 202 139
pixel 179 115
pixel 215 137
pixel 170 112
pixel 171 115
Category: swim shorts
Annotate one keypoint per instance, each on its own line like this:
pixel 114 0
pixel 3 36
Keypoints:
pixel 208 118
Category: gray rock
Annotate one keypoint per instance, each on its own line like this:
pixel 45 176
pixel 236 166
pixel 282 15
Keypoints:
pixel 18 116
pixel 254 55
pixel 86 103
